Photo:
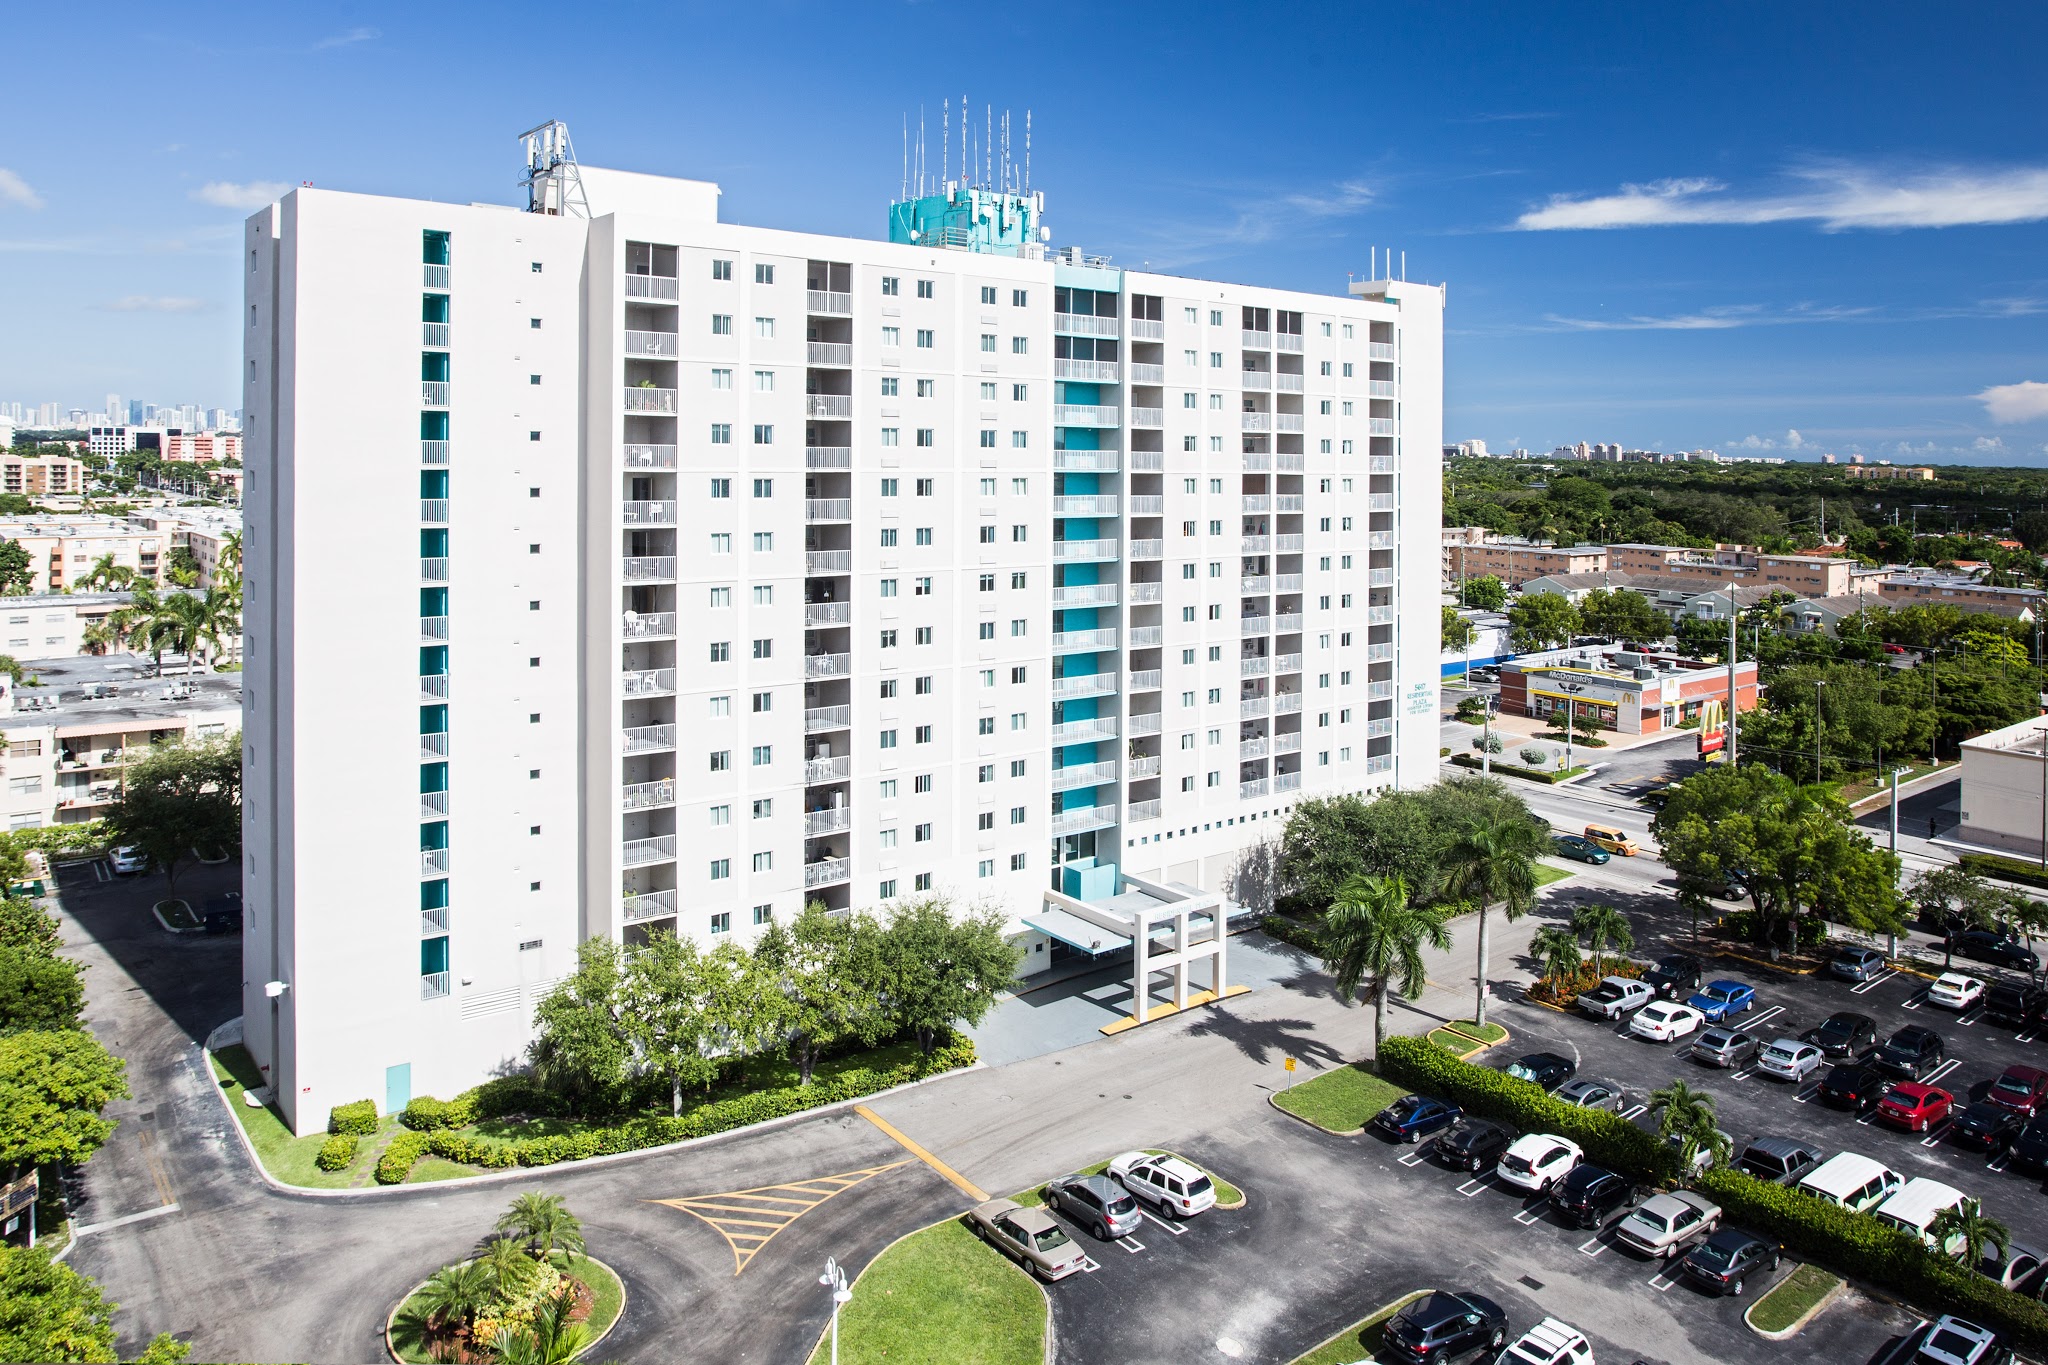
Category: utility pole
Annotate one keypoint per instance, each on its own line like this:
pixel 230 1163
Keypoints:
pixel 1892 949
pixel 1818 684
pixel 1731 674
pixel 1570 708
pixel 1486 741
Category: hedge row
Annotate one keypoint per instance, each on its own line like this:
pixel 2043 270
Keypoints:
pixel 358 1117
pixel 1291 931
pixel 491 1100
pixel 1501 769
pixel 649 1130
pixel 2004 869
pixel 1851 1244
pixel 336 1152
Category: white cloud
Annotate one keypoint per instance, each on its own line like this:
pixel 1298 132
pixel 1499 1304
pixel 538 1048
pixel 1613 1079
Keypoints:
pixel 1710 319
pixel 1990 445
pixel 226 194
pixel 1753 442
pixel 2022 402
pixel 1794 441
pixel 1837 196
pixel 1347 197
pixel 148 303
pixel 348 39
pixel 14 190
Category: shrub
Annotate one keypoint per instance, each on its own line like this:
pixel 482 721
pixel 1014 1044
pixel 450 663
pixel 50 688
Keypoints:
pixel 358 1117
pixel 2004 869
pixel 424 1113
pixel 1291 931
pixel 337 1152
pixel 1565 994
pixel 396 1163
pixel 1532 755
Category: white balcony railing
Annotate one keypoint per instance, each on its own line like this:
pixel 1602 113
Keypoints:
pixel 661 513
pixel 648 795
pixel 1148 329
pixel 1286 582
pixel 1087 461
pixel 1147 505
pixel 1143 723
pixel 1257 462
pixel 828 561
pixel 1102 505
pixel 820 771
pixel 1084 731
pixel 650 286
pixel 828 457
pixel 1287 341
pixel 1255 379
pixel 836 820
pixel 433 805
pixel 1289 743
pixel 433 511
pixel 649 568
pixel 434 985
pixel 1143 592
pixel 434 334
pixel 1255 502
pixel 433 627
pixel 642 456
pixel 1379 426
pixel 827 614
pixel 837 354
pixel 647 739
pixel 1286 782
pixel 1379 540
pixel 1287 383
pixel 828 665
pixel 1376 728
pixel 827 872
pixel 433 862
pixel 1289 463
pixel 1287 421
pixel 433 570
pixel 1086 371
pixel 1082 820
pixel 1082 641
pixel 1252 708
pixel 436 277
pixel 828 302
pixel 433 687
pixel 647 398
pixel 818 719
pixel 1383 464
pixel 1144 765
pixel 1255 666
pixel 1380 651
pixel 650 343
pixel 1379 763
pixel 828 509
pixel 1085 595
pixel 1380 578
pixel 434 921
pixel 1255 545
pixel 1145 680
pixel 1148 461
pixel 1077 775
pixel 1256 421
pixel 1287 663
pixel 647 682
pixel 647 625
pixel 1246 791
pixel 1081 325
pixel 644 905
pixel 1380 388
pixel 1290 544
pixel 1258 341
pixel 1084 415
pixel 1139 811
pixel 1287 703
pixel 1380 689
pixel 1141 637
pixel 641 852
pixel 434 393
pixel 828 405
pixel 1146 374
pixel 1250 749
pixel 1085 551
pixel 1379 616
pixel 433 452
pixel 1286 621
pixel 1379 350
pixel 1148 417
pixel 1148 549
pixel 1083 685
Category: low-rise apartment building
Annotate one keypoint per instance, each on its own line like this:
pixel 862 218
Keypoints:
pixel 205 531
pixel 1913 474
pixel 1957 590
pixel 36 475
pixel 63 549
pixel 1455 536
pixel 53 625
pixel 1815 575
pixel 1631 693
pixel 1678 598
pixel 1514 561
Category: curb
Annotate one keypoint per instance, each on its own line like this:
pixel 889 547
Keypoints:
pixel 1274 1100
pixel 1767 966
pixel 1385 1310
pixel 169 928
pixel 1841 1287
pixel 588 1347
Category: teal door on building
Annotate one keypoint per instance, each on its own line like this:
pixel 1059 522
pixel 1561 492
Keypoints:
pixel 397 1087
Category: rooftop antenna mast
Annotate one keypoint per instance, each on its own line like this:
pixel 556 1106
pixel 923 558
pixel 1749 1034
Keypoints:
pixel 1027 151
pixel 903 185
pixel 946 139
pixel 553 183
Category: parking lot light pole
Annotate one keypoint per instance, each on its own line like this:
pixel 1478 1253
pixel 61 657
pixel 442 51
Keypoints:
pixel 1818 684
pixel 1892 949
pixel 1486 742
pixel 834 1279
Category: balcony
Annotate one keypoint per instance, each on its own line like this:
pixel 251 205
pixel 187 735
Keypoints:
pixel 1287 421
pixel 1086 461
pixel 834 820
pixel 1249 750
pixel 1287 704
pixel 1380 578
pixel 433 627
pixel 433 687
pixel 1377 652
pixel 828 561
pixel 662 513
pixel 1085 595
pixel 1287 341
pixel 1255 379
pixel 1379 540
pixel 1077 775
pixel 1380 690
pixel 647 398
pixel 1256 421
pixel 818 614
pixel 1147 505
pixel 1376 729
pixel 1379 616
pixel 1146 374
pixel 1288 544
pixel 433 511
pixel 434 334
pixel 1082 641
pixel 1084 685
pixel 1144 765
pixel 837 355
pixel 1257 341
pixel 1247 791
pixel 1255 502
pixel 434 921
pixel 1379 502
pixel 1383 464
pixel 1284 622
pixel 1147 461
pixel 1379 350
pixel 1081 325
pixel 1254 708
pixel 1104 505
pixel 1144 592
pixel 1286 582
pixel 650 343
pixel 1148 417
pixel 1138 811
pixel 828 509
pixel 828 405
pixel 434 394
pixel 650 457
pixel 648 739
pixel 1255 585
pixel 1082 820
pixel 1379 388
pixel 1288 502
pixel 1286 782
pixel 1148 329
pixel 828 303
pixel 1256 666
pixel 434 985
pixel 1379 426
pixel 433 571
pixel 819 719
pixel 1289 463
pixel 433 452
pixel 1145 680
pixel 828 457
pixel 1287 663
pixel 1143 723
pixel 1148 549
pixel 650 286
pixel 436 277
pixel 433 805
pixel 1255 545
pixel 647 682
pixel 641 852
pixel 1086 371
pixel 1084 731
pixel 1141 637
pixel 819 772
pixel 1379 763
pixel 1257 462
pixel 649 568
pixel 1289 743
pixel 827 872
pixel 648 795
pixel 1287 383
pixel 433 862
pixel 828 665
pixel 648 625
pixel 1084 415
pixel 647 905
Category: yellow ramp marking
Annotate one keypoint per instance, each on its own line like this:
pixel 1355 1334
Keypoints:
pixel 773 1207
pixel 1125 1022
pixel 966 1186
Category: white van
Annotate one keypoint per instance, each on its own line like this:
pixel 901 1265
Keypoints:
pixel 1853 1181
pixel 1914 1207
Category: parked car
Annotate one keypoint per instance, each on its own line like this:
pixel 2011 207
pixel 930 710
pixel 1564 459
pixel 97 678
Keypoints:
pixel 1954 991
pixel 1474 1144
pixel 1722 1263
pixel 2016 1268
pixel 1725 1047
pixel 127 859
pixel 1551 1342
pixel 1986 1127
pixel 1615 996
pixel 1593 1095
pixel 1674 977
pixel 1779 1160
pixel 2022 1089
pixel 2015 1006
pixel 1442 1325
pixel 1858 964
pixel 1912 1052
pixel 1415 1117
pixel 1951 1340
pixel 222 914
pixel 1789 1059
pixel 1989 945
pixel 1914 1107
pixel 1852 1181
pixel 1666 1224
pixel 1663 1022
pixel 1538 1161
pixel 1097 1203
pixel 1590 1195
pixel 2030 1148
pixel 1853 1085
pixel 1723 1000
pixel 1843 1035
pixel 1546 1069
pixel 1703 1156
pixel 1029 1237
pixel 1578 848
pixel 1175 1188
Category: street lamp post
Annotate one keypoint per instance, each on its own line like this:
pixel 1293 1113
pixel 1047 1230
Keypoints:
pixel 1892 949
pixel 834 1279
pixel 1486 741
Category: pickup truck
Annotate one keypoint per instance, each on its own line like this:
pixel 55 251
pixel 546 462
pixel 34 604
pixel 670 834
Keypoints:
pixel 1615 996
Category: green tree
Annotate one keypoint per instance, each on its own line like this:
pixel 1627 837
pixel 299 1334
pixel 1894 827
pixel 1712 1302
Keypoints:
pixel 455 1294
pixel 1703 639
pixel 506 1261
pixel 105 576
pixel 1539 620
pixel 26 926
pixel 1557 951
pixel 1457 631
pixel 48 1311
pixel 1623 614
pixel 1688 1115
pixel 543 1222
pixel 581 1050
pixel 53 1085
pixel 1372 941
pixel 182 795
pixel 1485 593
pixel 1494 861
pixel 551 1337
pixel 824 973
pixel 17 571
pixel 664 1015
pixel 1601 926
pixel 1965 1231
pixel 38 991
pixel 938 971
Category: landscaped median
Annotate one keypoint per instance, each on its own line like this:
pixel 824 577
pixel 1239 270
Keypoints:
pixel 1341 1101
pixel 1796 1300
pixel 1361 1340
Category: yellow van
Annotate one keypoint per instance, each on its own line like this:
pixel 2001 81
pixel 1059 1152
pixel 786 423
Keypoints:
pixel 1613 840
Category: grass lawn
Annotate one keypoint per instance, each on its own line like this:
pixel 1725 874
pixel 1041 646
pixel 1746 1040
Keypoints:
pixel 1546 873
pixel 1457 1044
pixel 941 1297
pixel 431 1168
pixel 1226 1193
pixel 607 1300
pixel 286 1157
pixel 1797 1292
pixel 1872 784
pixel 1485 1033
pixel 1343 1100
pixel 1357 1342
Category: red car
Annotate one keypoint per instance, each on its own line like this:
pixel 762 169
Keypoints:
pixel 2021 1089
pixel 1914 1106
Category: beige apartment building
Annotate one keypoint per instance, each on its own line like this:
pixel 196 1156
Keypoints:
pixel 202 446
pixel 1919 474
pixel 204 531
pixel 1807 575
pixel 1455 536
pixel 1515 562
pixel 63 549
pixel 35 475
pixel 1913 590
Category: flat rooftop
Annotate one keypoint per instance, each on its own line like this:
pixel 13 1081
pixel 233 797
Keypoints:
pixel 66 698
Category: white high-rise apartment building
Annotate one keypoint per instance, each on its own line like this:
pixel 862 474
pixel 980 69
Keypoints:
pixel 669 573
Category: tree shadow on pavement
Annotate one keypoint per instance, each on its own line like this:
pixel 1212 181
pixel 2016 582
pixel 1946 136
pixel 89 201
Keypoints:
pixel 1265 1040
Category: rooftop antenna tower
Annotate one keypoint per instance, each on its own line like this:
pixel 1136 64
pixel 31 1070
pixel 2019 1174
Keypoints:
pixel 553 183
pixel 1027 151
pixel 946 139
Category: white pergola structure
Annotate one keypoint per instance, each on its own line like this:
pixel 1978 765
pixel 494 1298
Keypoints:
pixel 1168 926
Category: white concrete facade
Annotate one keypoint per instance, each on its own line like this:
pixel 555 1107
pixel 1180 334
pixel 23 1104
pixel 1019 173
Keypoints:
pixel 2004 789
pixel 763 561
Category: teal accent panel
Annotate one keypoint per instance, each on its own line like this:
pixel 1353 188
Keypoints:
pixel 1075 618
pixel 398 1085
pixel 433 719
pixel 1088 395
pixel 434 543
pixel 433 601
pixel 1080 575
pixel 433 308
pixel 433 777
pixel 433 483
pixel 433 426
pixel 434 366
pixel 975 219
pixel 433 955
pixel 434 834
pixel 1087 277
pixel 1079 438
pixel 434 894
pixel 433 660
pixel 1078 528
pixel 1089 883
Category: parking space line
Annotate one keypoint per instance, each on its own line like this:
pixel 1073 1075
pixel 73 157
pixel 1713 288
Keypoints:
pixel 2000 1164
pixel 100 871
pixel 1173 1228
pixel 1663 1280
pixel 1744 1074
pixel 1874 982
pixel 1528 1216
pixel 1868 1119
pixel 1633 1110
pixel 1969 1018
pixel 1414 1158
pixel 1476 1184
pixel 1089 1265
pixel 1130 1244
pixel 1950 1065
pixel 1597 1246
pixel 1935 1135
pixel 1753 1020
pixel 1918 999
pixel 1806 1094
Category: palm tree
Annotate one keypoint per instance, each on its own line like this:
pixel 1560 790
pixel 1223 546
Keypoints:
pixel 544 1221
pixel 106 574
pixel 1962 1229
pixel 550 1339
pixel 100 636
pixel 456 1294
pixel 1688 1114
pixel 1373 940
pixel 1600 926
pixel 507 1262
pixel 1494 860
pixel 1558 950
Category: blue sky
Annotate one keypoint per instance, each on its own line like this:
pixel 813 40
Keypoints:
pixel 1776 228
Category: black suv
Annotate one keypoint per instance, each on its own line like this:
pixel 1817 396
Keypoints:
pixel 1546 1069
pixel 1856 1086
pixel 1442 1325
pixel 2030 1149
pixel 1674 977
pixel 1912 1052
pixel 1474 1144
pixel 1987 945
pixel 1844 1035
pixel 1587 1196
pixel 2014 1006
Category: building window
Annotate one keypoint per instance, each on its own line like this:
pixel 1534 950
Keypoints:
pixel 721 433
pixel 763 914
pixel 764 328
pixel 721 651
pixel 1020 298
pixel 721 760
pixel 988 294
pixel 985 868
pixel 924 338
pixel 721 922
pixel 888 739
pixel 892 336
pixel 721 868
pixel 925 487
pixel 764 434
pixel 764 649
pixel 721 324
pixel 764 274
pixel 763 755
pixel 924 289
pixel 721 270
pixel 924 436
pixel 1020 345
pixel 891 285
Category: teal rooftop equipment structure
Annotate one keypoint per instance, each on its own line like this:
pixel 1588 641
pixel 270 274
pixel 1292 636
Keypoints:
pixel 971 218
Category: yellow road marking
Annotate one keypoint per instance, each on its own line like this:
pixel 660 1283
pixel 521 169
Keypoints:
pixel 765 1208
pixel 967 1187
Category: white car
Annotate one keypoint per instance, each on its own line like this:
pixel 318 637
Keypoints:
pixel 1538 1161
pixel 1551 1342
pixel 1790 1059
pixel 128 858
pixel 1177 1189
pixel 1666 1022
pixel 1954 991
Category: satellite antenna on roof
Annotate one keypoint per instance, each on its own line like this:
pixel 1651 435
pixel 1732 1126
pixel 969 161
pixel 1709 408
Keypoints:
pixel 553 183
